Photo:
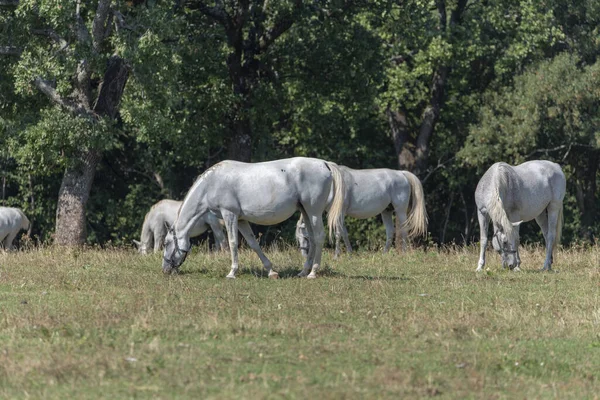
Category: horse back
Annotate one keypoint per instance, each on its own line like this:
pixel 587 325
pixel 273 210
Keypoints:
pixel 12 219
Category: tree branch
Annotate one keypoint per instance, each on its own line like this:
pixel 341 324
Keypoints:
pixel 46 88
pixel 99 23
pixel 279 27
pixel 10 51
pixel 83 35
pixel 217 12
pixel 51 33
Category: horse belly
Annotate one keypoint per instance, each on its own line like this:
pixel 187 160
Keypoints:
pixel 363 206
pixel 532 204
pixel 269 214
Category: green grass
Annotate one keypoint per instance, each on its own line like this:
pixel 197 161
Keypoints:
pixel 108 324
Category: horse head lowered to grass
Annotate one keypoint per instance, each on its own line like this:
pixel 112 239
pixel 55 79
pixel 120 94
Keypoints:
pixel 511 195
pixel 264 193
pixel 161 217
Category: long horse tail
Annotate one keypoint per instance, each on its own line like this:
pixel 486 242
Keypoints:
pixel 416 221
pixel 495 204
pixel 25 224
pixel 335 216
pixel 559 226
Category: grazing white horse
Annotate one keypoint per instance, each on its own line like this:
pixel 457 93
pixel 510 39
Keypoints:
pixel 12 220
pixel 511 195
pixel 370 192
pixel 162 215
pixel 264 193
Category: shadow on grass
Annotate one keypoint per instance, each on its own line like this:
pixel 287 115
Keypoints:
pixel 326 272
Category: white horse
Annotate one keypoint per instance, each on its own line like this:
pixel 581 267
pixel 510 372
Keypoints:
pixel 370 192
pixel 162 215
pixel 12 220
pixel 511 195
pixel 264 193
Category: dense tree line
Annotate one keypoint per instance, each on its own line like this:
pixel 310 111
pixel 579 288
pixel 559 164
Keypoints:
pixel 108 106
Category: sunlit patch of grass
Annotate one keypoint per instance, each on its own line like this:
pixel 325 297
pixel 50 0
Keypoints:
pixel 108 323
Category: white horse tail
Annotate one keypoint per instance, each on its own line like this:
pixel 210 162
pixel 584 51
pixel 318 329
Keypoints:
pixel 335 216
pixel 416 221
pixel 495 205
pixel 24 221
pixel 559 226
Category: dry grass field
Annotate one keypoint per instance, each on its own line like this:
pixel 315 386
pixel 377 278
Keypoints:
pixel 108 324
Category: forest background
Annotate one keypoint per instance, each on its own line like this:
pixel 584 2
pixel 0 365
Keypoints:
pixel 107 106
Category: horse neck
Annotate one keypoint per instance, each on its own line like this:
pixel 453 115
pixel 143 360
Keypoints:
pixel 190 212
pixel 147 234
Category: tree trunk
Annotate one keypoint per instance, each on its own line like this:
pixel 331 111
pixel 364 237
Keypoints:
pixel 412 149
pixel 240 143
pixel 77 180
pixel 72 198
pixel 586 196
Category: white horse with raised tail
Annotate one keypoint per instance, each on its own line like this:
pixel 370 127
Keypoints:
pixel 370 192
pixel 12 220
pixel 264 193
pixel 511 195
pixel 162 215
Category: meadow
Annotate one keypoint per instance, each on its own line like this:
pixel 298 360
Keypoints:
pixel 107 324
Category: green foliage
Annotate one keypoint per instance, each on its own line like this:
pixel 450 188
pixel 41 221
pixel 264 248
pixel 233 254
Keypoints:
pixel 522 83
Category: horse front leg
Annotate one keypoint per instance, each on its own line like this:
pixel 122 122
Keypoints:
pixel 483 239
pixel 346 239
pixel 159 239
pixel 388 222
pixel 8 241
pixel 246 231
pixel 231 224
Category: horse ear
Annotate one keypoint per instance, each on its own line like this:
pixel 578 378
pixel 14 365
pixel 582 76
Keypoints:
pixel 137 244
pixel 516 224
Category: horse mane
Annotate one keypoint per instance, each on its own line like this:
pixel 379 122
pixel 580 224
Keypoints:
pixel 501 179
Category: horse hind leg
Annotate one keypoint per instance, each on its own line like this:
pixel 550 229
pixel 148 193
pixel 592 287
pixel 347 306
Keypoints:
pixel 311 245
pixel 401 241
pixel 231 224
pixel 388 222
pixel 246 231
pixel 319 238
pixel 542 221
pixel 553 216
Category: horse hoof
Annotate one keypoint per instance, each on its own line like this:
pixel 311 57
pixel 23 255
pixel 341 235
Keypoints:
pixel 311 277
pixel 230 276
pixel 516 269
pixel 274 275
